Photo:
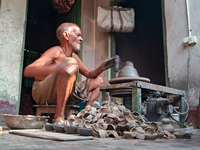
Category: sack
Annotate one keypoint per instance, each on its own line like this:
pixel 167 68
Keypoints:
pixel 115 19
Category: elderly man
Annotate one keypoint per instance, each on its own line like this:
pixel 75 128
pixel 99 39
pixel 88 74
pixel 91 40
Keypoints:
pixel 56 73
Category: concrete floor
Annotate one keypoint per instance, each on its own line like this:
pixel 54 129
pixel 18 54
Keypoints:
pixel 16 142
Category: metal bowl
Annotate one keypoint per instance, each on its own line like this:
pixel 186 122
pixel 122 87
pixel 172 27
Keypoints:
pixel 24 121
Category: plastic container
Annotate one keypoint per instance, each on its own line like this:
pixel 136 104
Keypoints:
pixel 175 116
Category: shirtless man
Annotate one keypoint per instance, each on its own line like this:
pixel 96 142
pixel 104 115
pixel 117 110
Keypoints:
pixel 56 73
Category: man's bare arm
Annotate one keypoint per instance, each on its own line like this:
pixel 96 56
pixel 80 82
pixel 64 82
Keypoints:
pixel 42 66
pixel 94 73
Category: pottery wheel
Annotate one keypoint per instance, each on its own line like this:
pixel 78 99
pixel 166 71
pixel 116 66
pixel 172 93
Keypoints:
pixel 127 79
pixel 121 92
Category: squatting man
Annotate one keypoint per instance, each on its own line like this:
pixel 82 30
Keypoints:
pixel 56 72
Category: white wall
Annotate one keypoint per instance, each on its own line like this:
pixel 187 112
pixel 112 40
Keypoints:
pixel 183 75
pixel 12 26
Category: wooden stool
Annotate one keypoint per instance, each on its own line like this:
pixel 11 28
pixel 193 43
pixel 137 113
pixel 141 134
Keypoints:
pixel 51 109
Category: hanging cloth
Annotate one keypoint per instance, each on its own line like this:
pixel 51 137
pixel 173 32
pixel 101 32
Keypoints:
pixel 62 6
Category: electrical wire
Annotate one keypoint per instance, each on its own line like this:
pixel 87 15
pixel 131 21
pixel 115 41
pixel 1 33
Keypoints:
pixel 183 112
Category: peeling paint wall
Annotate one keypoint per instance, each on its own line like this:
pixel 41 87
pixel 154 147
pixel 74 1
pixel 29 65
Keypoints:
pixel 12 27
pixel 183 61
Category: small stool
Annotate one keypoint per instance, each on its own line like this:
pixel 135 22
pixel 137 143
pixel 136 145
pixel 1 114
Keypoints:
pixel 51 109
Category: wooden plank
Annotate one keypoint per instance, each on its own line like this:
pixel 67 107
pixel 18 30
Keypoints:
pixel 167 90
pixel 43 134
pixel 117 86
pixel 54 106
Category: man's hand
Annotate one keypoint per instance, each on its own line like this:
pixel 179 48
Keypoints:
pixel 114 61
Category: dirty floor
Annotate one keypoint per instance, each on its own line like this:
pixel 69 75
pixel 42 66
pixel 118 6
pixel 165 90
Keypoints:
pixel 16 142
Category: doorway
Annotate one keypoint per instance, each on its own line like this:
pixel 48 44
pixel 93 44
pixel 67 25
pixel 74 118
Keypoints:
pixel 144 46
pixel 42 22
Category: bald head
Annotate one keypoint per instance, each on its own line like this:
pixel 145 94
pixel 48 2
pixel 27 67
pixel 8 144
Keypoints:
pixel 64 27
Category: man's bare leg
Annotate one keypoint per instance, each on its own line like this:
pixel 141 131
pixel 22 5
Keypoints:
pixel 94 87
pixel 64 87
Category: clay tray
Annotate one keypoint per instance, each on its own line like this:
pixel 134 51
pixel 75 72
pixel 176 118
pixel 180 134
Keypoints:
pixel 128 79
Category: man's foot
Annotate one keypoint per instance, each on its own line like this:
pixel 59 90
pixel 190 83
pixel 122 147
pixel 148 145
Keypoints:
pixel 60 121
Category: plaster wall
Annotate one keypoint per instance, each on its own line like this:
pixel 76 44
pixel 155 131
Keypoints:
pixel 88 25
pixel 183 61
pixel 12 26
pixel 95 48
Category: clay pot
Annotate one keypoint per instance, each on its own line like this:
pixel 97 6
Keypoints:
pixel 114 108
pixel 103 126
pixel 77 122
pixel 111 127
pixel 128 118
pixel 93 109
pixel 112 115
pixel 113 133
pixel 96 104
pixel 179 135
pixel 105 104
pixel 151 136
pixel 88 108
pixel 80 114
pixel 102 133
pixel 105 110
pixel 153 125
pixel 160 135
pixel 166 125
pixel 96 117
pixel 149 131
pixel 85 131
pixel 87 116
pixel 128 70
pixel 137 130
pixel 86 124
pixel 59 128
pixel 143 125
pixel 122 108
pixel 110 121
pixel 140 136
pixel 132 124
pixel 49 127
pixel 95 134
pixel 159 129
pixel 95 126
pixel 71 129
pixel 73 117
pixel 129 135
pixel 126 112
pixel 121 126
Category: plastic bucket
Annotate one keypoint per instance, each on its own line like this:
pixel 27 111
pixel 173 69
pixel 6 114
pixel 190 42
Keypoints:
pixel 175 116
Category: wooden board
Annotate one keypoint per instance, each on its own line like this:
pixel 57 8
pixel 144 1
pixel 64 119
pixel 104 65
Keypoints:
pixel 37 133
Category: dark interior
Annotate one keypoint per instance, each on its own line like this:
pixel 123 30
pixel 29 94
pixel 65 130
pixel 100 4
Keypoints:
pixel 41 26
pixel 144 46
